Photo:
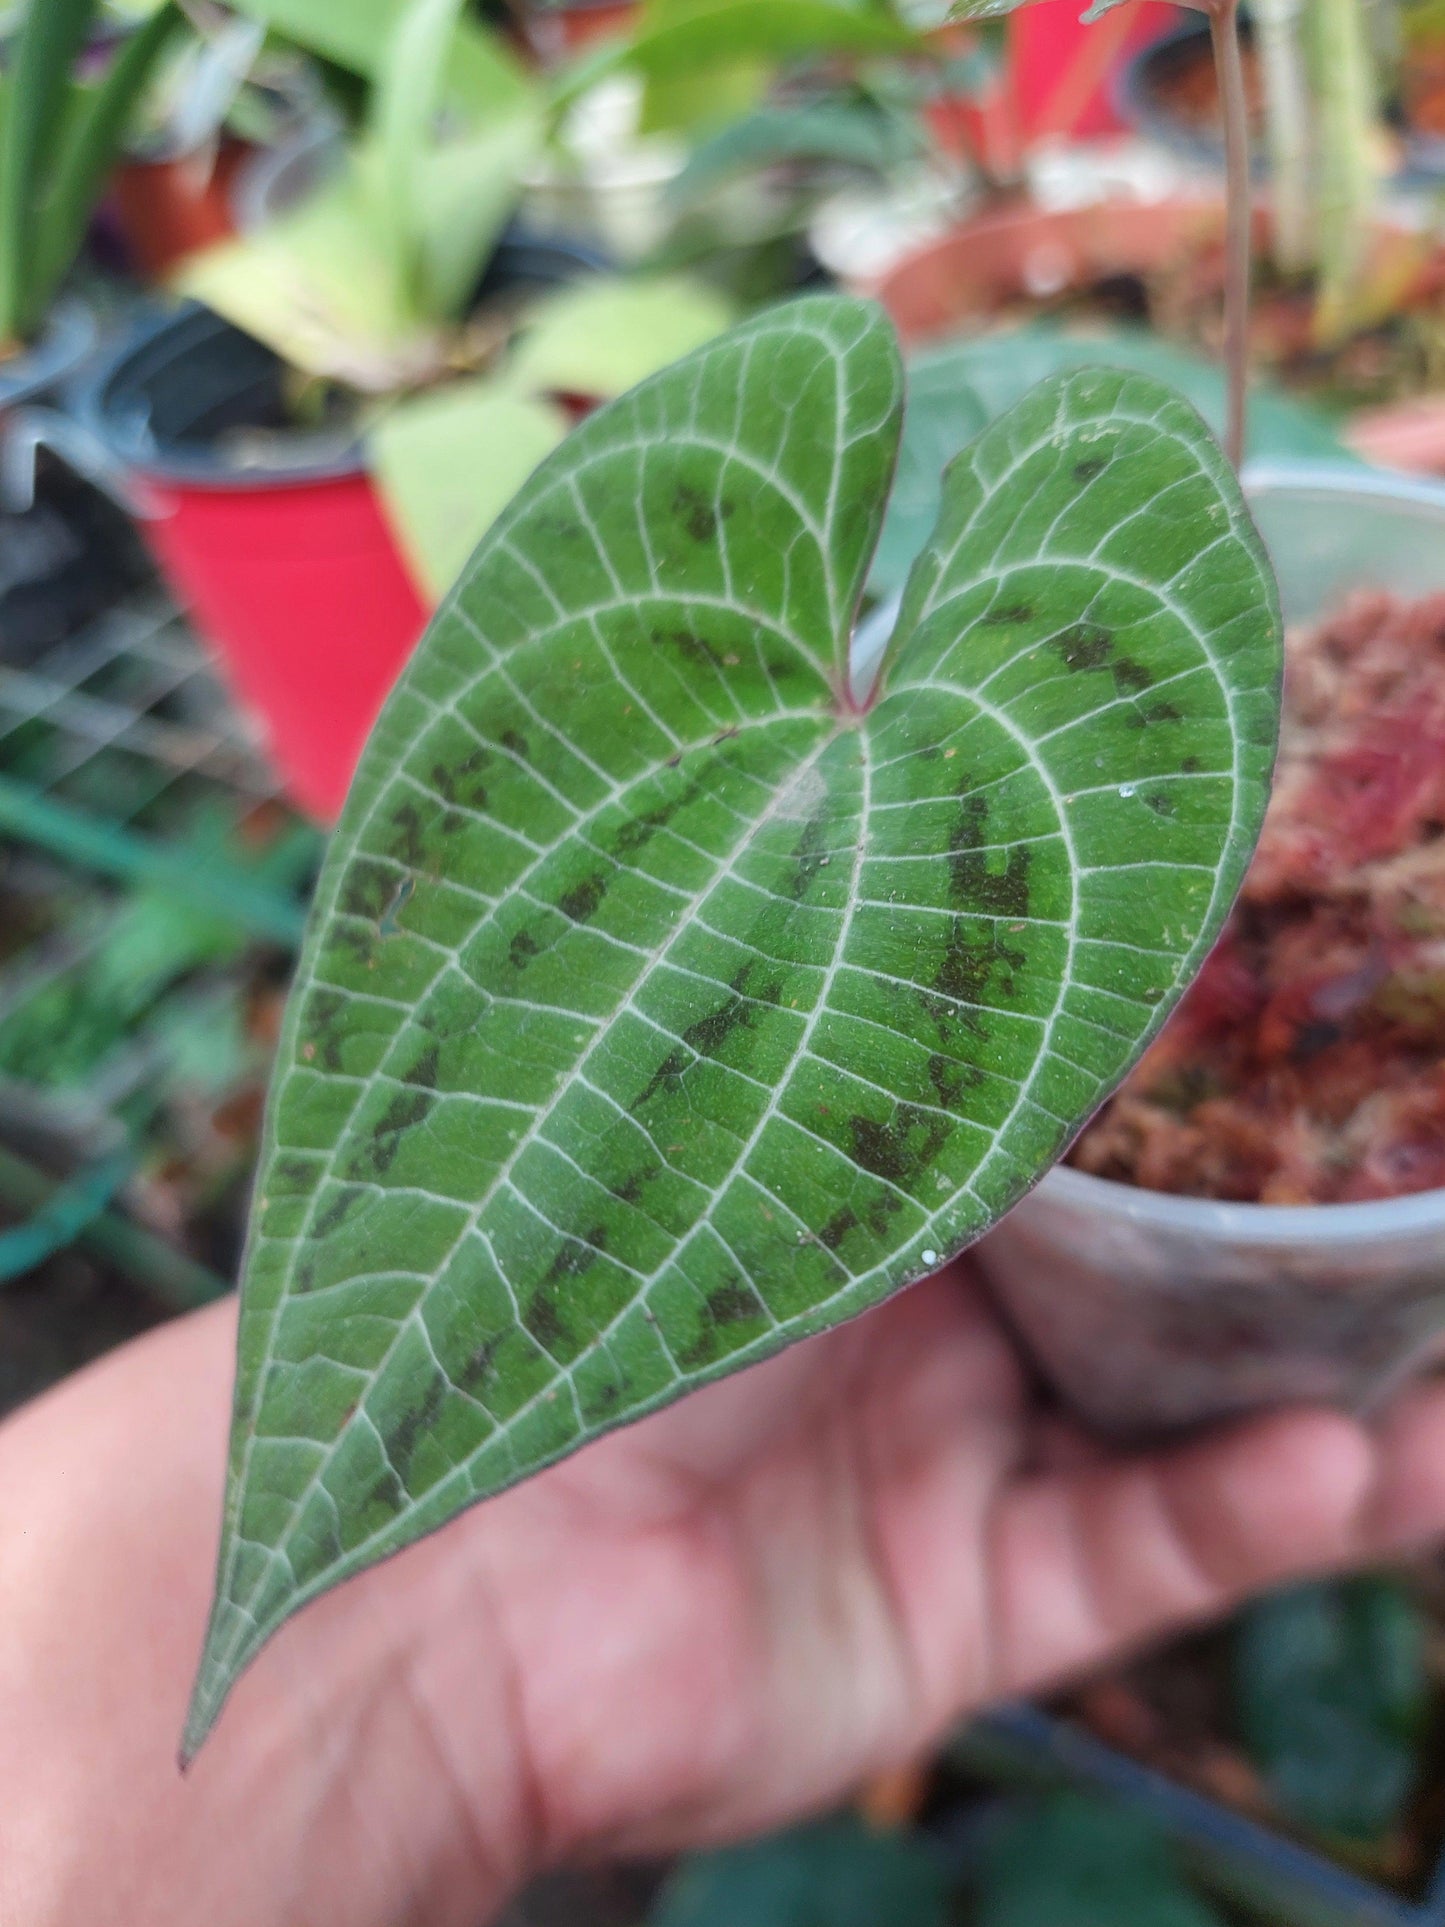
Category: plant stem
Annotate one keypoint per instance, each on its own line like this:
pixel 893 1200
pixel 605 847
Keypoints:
pixel 1224 32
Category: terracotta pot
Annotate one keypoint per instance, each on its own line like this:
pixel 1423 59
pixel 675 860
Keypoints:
pixel 556 32
pixel 168 210
pixel 1407 435
pixel 1150 1312
pixel 1009 254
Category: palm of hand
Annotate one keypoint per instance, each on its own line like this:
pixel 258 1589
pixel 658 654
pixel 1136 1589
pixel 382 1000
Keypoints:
pixel 700 1627
pixel 728 1614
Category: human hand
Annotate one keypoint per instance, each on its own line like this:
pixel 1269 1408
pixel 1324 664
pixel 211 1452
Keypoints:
pixel 698 1628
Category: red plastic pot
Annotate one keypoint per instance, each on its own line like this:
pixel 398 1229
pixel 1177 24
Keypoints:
pixel 276 542
pixel 301 590
pixel 1057 83
pixel 1064 68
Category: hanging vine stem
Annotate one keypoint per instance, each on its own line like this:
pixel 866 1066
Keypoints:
pixel 1224 33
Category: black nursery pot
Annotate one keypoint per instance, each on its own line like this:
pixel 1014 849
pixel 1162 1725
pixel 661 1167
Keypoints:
pixel 70 553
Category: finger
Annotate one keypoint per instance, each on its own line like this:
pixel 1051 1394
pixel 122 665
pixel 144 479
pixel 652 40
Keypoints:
pixel 1060 1444
pixel 1407 1508
pixel 1090 1561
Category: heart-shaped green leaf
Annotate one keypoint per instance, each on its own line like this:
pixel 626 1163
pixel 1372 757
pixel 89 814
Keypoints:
pixel 660 1007
pixel 956 388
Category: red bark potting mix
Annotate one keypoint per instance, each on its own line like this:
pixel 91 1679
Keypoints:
pixel 1307 1063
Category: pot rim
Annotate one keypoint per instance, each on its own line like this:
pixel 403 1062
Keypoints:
pixel 1273 1224
pixel 316 457
pixel 125 440
pixel 56 356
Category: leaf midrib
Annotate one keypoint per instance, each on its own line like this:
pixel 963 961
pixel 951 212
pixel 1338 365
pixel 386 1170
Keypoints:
pixel 770 1112
pixel 472 1223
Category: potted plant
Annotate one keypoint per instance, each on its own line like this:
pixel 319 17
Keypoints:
pixel 68 93
pixel 225 94
pixel 1344 314
pixel 1313 78
pixel 633 115
pixel 1153 1309
pixel 61 129
pixel 311 465
pixel 679 984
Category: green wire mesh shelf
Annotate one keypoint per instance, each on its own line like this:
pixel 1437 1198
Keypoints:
pixel 151 891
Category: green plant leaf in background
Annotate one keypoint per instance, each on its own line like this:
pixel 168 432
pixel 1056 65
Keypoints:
pixel 678 37
pixel 679 42
pixel 448 461
pixel 364 280
pixel 485 76
pixel 317 288
pixel 958 387
pixel 659 1008
pixel 404 123
pixel 95 128
pixel 606 333
pixel 44 54
pixel 1333 1698
pixel 1349 154
pixel 59 137
pixel 1071 1861
pixel 835 1873
pixel 846 132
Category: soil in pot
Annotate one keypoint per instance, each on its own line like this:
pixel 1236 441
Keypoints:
pixel 1307 1063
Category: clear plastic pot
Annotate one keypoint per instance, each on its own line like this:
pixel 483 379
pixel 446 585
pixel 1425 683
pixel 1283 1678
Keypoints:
pixel 1150 1312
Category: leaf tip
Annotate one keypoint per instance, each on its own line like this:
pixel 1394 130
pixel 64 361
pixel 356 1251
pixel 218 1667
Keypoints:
pixel 223 1659
pixel 208 1696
